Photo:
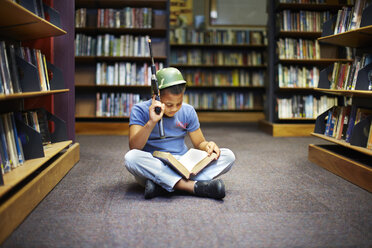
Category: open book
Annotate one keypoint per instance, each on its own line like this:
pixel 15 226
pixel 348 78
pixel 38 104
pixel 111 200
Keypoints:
pixel 191 163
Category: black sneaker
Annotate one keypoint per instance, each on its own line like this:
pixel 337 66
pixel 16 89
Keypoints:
pixel 153 190
pixel 213 189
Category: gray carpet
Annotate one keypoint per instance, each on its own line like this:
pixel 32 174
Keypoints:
pixel 275 198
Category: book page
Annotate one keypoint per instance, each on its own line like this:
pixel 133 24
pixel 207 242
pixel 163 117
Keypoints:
pixel 192 157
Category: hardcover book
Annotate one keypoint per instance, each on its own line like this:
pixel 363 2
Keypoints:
pixel 189 164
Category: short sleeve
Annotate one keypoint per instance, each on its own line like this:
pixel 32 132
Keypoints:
pixel 138 116
pixel 193 120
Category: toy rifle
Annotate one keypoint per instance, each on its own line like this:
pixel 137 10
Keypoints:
pixel 155 91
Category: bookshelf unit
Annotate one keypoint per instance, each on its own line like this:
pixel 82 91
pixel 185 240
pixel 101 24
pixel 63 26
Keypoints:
pixel 88 120
pixel 285 31
pixel 349 160
pixel 26 185
pixel 209 66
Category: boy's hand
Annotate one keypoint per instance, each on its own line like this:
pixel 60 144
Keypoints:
pixel 154 117
pixel 212 147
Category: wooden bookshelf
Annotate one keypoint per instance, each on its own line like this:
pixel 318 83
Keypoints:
pixel 286 129
pixel 95 59
pixel 26 185
pixel 357 38
pixel 85 74
pixel 219 46
pixel 349 93
pixel 309 6
pixel 293 126
pixel 343 143
pixel 219 66
pixel 299 34
pixel 351 162
pixel 182 45
pixel 31 94
pixel 16 176
pixel 320 62
pixel 18 23
pixel 158 4
pixel 295 89
pixel 352 167
pixel 118 31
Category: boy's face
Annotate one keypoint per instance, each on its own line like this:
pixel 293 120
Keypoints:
pixel 172 103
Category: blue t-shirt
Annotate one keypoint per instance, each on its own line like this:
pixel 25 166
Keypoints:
pixel 175 128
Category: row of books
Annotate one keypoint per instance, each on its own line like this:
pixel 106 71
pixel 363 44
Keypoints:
pixel 124 73
pixel 349 18
pixel 303 21
pixel 115 104
pixel 11 150
pixel 341 121
pixel 304 106
pixel 344 75
pixel 298 76
pixel 223 100
pixel 35 6
pixel 217 57
pixel 289 48
pixel 224 78
pixel 184 35
pixel 114 18
pixel 110 45
pixel 10 76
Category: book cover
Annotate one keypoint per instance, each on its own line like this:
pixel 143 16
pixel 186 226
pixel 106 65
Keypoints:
pixel 4 149
pixel 369 142
pixel 189 164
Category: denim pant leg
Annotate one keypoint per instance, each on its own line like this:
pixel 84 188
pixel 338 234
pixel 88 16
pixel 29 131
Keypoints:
pixel 144 166
pixel 222 165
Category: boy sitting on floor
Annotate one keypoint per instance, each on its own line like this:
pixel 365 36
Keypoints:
pixel 179 119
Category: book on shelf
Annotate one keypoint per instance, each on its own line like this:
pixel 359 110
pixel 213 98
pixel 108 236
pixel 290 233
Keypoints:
pixel 12 147
pixel 298 76
pixel 369 142
pixel 341 121
pixel 349 18
pixel 344 75
pixel 223 100
pixel 303 20
pixel 216 57
pixel 184 35
pixel 115 104
pixel 127 17
pixel 124 73
pixel 303 106
pixel 189 164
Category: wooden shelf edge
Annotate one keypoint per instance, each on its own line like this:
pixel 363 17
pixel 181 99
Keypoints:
pixel 17 175
pixel 286 129
pixel 31 94
pixel 346 92
pixel 343 143
pixel 101 128
pixel 15 209
pixel 342 166
pixel 228 117
pixel 11 11
pixel 219 45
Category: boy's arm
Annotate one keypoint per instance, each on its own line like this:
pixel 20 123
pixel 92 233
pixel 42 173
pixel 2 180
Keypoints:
pixel 199 142
pixel 138 135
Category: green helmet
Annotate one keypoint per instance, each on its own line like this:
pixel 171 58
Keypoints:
pixel 168 77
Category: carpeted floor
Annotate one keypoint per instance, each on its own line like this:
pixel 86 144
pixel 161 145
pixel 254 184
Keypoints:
pixel 275 198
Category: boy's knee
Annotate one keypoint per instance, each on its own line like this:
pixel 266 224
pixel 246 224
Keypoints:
pixel 130 157
pixel 228 155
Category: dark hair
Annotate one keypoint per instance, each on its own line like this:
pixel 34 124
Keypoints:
pixel 175 89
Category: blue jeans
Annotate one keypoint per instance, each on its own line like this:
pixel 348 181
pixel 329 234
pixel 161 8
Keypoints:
pixel 144 166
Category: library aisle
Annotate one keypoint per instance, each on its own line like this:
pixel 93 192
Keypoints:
pixel 275 198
